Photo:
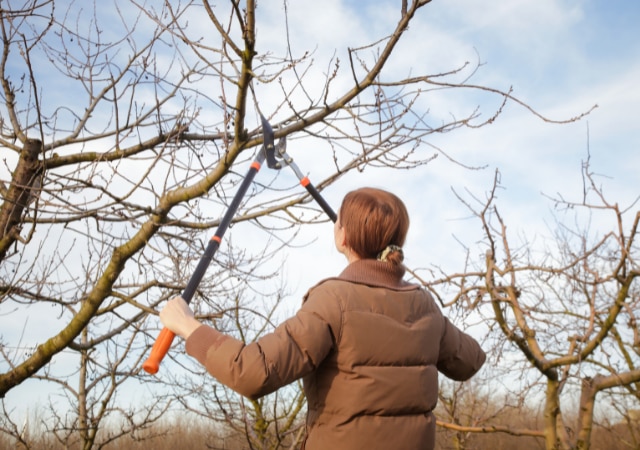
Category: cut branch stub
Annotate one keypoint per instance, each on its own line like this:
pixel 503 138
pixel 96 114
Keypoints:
pixel 19 194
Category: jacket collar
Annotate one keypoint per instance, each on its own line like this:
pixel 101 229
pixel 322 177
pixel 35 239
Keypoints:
pixel 372 272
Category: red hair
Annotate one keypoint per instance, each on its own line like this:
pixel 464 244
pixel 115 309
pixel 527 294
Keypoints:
pixel 374 219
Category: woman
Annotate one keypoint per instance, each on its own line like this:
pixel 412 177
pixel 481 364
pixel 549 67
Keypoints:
pixel 367 344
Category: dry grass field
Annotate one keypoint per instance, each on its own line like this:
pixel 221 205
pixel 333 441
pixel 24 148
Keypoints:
pixel 194 435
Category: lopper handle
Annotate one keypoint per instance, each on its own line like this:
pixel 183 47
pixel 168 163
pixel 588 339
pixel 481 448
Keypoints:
pixel 311 189
pixel 159 351
pixel 163 342
pixel 165 338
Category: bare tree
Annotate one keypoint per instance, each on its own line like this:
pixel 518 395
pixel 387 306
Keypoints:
pixel 568 305
pixel 481 415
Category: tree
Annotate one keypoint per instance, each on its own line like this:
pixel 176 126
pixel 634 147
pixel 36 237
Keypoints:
pixel 124 129
pixel 569 306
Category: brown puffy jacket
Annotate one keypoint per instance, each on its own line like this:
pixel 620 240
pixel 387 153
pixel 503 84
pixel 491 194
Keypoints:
pixel 369 348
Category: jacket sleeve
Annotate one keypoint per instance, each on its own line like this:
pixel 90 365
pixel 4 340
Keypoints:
pixel 460 355
pixel 291 351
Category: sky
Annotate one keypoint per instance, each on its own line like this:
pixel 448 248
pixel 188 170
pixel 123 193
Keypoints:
pixel 561 57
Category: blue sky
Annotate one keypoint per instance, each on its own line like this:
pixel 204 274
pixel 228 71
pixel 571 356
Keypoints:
pixel 560 57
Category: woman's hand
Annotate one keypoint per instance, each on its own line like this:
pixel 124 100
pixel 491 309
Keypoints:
pixel 178 317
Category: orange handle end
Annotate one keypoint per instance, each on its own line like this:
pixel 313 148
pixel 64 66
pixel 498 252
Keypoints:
pixel 158 351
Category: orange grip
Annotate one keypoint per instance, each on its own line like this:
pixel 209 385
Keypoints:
pixel 159 351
